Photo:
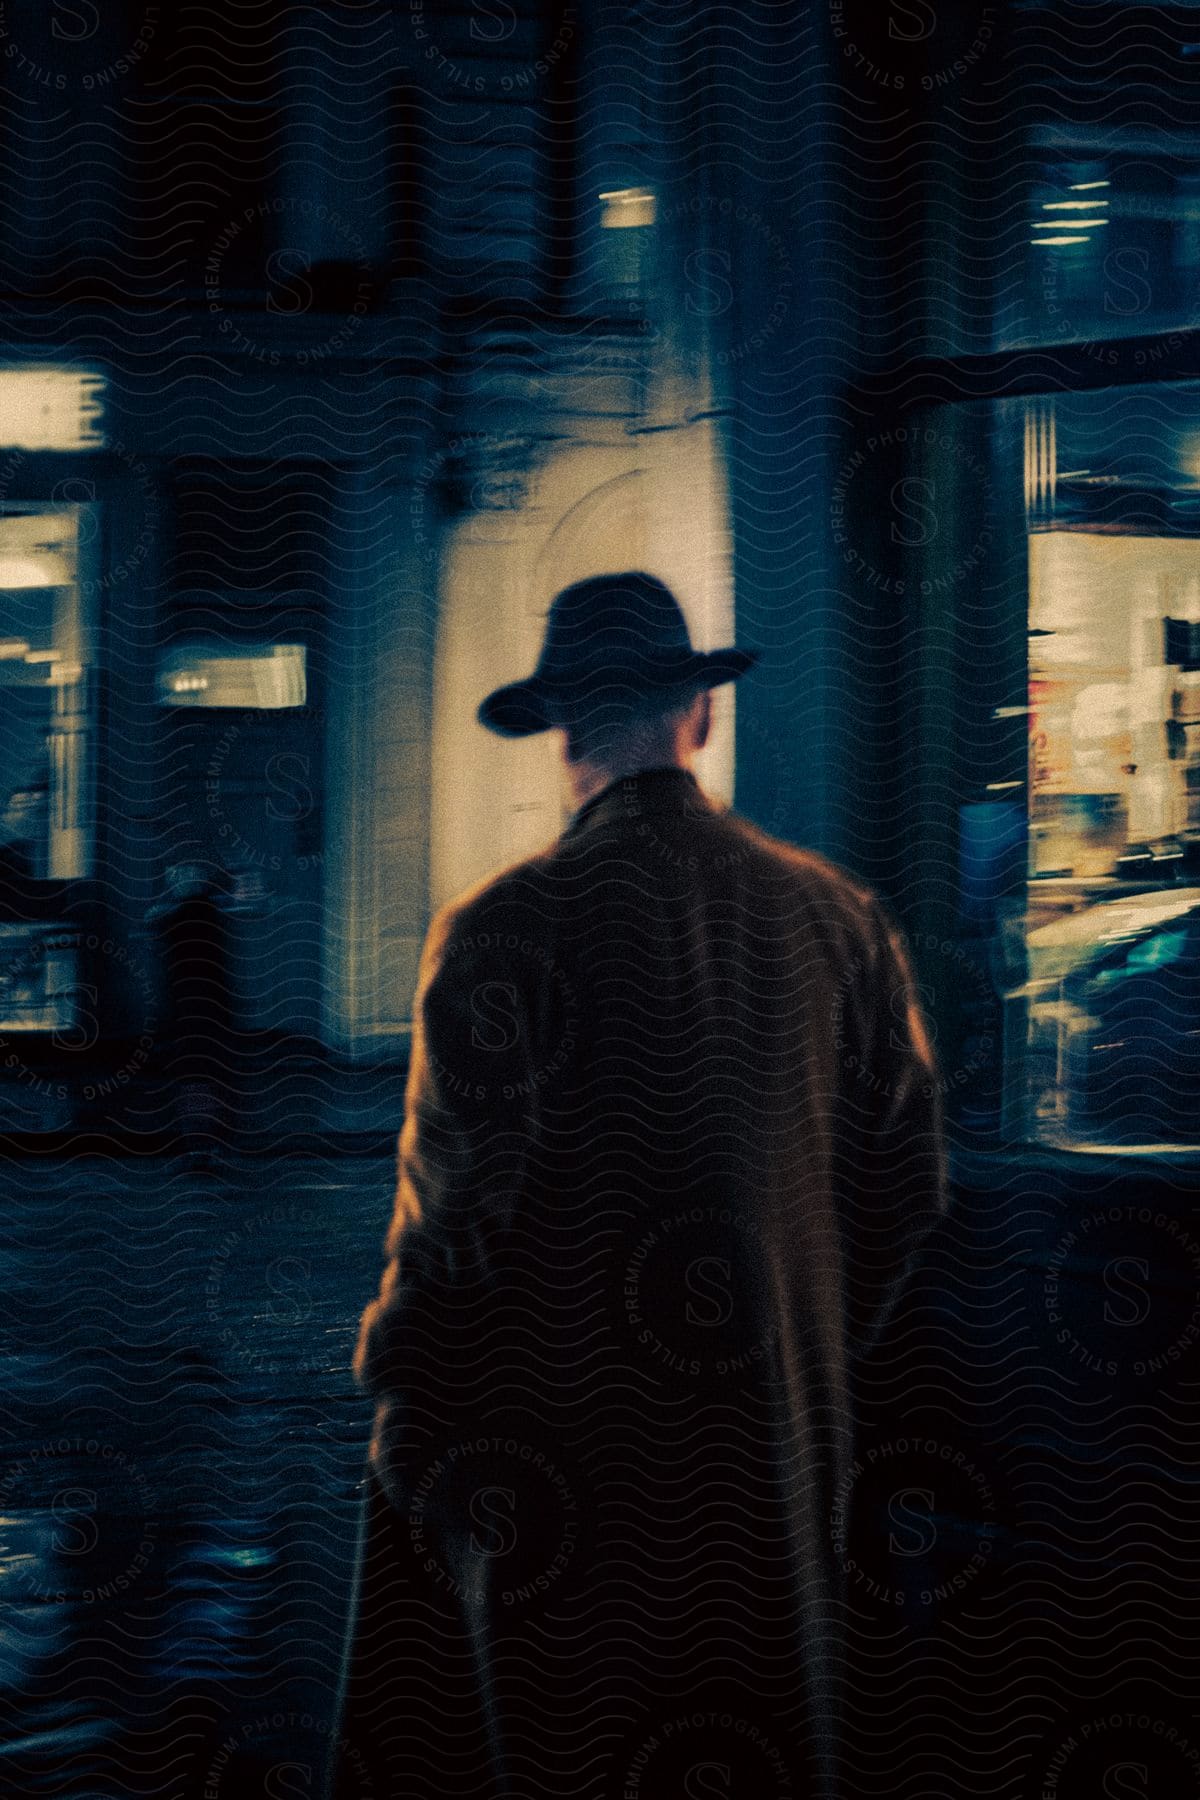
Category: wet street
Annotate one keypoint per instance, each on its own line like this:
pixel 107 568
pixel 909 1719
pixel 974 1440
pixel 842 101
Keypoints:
pixel 181 1451
pixel 183 1446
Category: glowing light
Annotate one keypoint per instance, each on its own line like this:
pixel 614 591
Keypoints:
pixel 1072 205
pixel 625 208
pixel 51 408
pixel 1061 240
pixel 269 677
pixel 32 571
pixel 1077 187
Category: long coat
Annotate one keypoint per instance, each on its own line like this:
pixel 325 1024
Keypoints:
pixel 672 1138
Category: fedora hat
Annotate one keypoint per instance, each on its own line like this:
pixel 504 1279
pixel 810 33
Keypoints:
pixel 611 637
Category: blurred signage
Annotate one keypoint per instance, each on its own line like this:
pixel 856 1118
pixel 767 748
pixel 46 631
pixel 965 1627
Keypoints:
pixel 265 679
pixel 51 409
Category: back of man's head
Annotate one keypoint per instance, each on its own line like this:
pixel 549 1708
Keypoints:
pixel 624 728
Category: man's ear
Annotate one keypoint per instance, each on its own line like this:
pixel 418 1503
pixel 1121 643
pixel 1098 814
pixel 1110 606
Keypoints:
pixel 704 717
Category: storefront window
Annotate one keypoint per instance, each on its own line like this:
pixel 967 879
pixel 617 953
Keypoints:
pixel 1104 1038
pixel 44 818
pixel 45 761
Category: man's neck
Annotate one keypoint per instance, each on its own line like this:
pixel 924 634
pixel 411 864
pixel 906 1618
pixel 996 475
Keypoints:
pixel 587 779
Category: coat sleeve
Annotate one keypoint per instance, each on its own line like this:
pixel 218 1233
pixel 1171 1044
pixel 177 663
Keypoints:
pixel 460 1162
pixel 897 1183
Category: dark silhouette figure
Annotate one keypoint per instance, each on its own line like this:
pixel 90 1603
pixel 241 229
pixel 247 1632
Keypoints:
pixel 672 1139
pixel 192 936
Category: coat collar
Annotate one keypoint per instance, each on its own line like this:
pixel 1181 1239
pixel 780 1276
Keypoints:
pixel 631 797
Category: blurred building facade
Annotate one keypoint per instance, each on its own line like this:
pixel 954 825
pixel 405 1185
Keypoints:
pixel 391 325
pixel 355 333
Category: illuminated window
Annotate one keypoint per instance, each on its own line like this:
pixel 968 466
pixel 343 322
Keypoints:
pixel 626 209
pixel 1105 1034
pixel 1100 232
pixel 626 245
pixel 1057 694
pixel 51 409
pixel 45 771
pixel 267 679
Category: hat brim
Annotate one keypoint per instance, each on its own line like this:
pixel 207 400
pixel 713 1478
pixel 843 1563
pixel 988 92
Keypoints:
pixel 522 708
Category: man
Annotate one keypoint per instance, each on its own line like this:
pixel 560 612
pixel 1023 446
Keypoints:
pixel 672 1138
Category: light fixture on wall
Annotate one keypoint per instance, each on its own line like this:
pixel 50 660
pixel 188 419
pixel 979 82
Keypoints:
pixel 44 570
pixel 265 678
pixel 625 208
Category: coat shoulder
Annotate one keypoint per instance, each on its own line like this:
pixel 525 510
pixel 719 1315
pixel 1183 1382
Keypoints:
pixel 504 892
pixel 810 879
pixel 799 881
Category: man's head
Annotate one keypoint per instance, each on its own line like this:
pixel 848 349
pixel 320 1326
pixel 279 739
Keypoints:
pixel 619 678
pixel 603 738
